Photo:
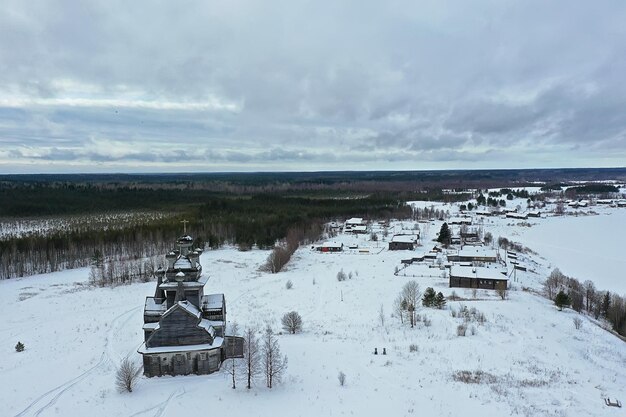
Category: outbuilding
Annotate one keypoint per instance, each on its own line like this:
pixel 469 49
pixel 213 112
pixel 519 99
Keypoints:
pixel 477 277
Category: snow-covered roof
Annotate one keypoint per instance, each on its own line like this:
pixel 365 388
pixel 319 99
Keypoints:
pixel 404 239
pixel 458 271
pixel 170 285
pixel 151 326
pixel 217 343
pixel 475 251
pixel 355 220
pixel 213 301
pixel 153 306
pixel 183 263
pixel 460 220
pixel 332 245
pixel 208 326
pixel 187 306
pixel 514 215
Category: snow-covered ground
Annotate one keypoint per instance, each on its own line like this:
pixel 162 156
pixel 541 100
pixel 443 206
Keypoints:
pixel 528 356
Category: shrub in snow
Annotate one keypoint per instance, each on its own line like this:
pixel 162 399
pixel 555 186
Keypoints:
pixel 19 347
pixel 342 378
pixel 461 329
pixel 427 321
pixel 292 322
pixel 413 347
pixel 289 285
pixel 578 323
pixel 341 276
pixel 473 330
pixel 126 375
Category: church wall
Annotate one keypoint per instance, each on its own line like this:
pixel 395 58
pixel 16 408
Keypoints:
pixel 182 363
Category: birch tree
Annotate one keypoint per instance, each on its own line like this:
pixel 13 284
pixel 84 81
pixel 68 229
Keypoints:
pixel 274 363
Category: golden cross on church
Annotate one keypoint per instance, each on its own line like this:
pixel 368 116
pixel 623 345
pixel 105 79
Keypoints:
pixel 184 222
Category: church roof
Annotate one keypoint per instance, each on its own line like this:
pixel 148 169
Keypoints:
pixel 217 343
pixel 171 285
pixel 183 263
pixel 213 301
pixel 188 307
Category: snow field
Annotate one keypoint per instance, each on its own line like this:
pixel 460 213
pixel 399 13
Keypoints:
pixel 528 357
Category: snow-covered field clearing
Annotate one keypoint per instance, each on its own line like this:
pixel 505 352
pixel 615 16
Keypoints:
pixel 526 359
pixel 11 227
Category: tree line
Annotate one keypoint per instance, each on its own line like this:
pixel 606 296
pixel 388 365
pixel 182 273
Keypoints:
pixel 246 221
pixel 585 297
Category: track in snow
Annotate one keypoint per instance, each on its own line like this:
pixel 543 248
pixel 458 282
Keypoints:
pixel 49 398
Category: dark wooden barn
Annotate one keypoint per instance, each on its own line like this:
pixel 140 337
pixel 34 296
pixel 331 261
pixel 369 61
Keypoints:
pixel 476 277
pixel 403 242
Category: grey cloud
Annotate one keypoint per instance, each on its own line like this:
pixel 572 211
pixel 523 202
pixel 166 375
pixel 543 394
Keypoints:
pixel 347 85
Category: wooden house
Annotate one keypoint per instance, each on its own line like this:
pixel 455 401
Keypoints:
pixel 185 329
pixel 403 242
pixel 330 247
pixel 477 277
pixel 474 254
pixel 464 220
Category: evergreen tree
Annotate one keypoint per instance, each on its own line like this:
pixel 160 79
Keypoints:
pixel 428 299
pixel 562 300
pixel 19 347
pixel 445 237
pixel 440 301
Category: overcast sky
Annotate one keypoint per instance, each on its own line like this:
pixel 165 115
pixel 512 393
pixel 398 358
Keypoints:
pixel 151 86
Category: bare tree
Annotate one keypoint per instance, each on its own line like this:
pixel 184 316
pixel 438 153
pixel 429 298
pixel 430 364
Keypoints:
pixel 411 295
pixel 252 356
pixel 233 366
pixel 126 375
pixel 274 363
pixel 381 316
pixel 590 294
pixel 502 292
pixel 578 323
pixel 398 308
pixel 292 322
pixel 277 259
pixel 554 282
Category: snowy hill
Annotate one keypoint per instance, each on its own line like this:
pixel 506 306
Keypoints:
pixel 526 358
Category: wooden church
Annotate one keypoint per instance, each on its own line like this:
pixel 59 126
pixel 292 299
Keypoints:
pixel 185 329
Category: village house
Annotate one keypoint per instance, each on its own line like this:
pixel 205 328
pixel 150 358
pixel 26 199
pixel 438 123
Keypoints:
pixel 185 329
pixel 403 242
pixel 518 216
pixel 460 220
pixel 355 225
pixel 477 277
pixel 330 247
pixel 474 254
